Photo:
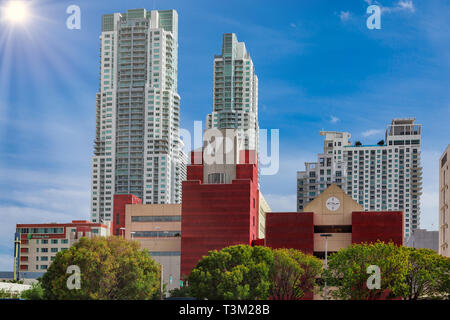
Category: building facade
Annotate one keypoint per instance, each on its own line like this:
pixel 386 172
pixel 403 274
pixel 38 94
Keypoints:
pixel 39 243
pixel 235 93
pixel 423 239
pixel 332 212
pixel 137 148
pixel 264 208
pixel 157 227
pixel 337 215
pixel 118 221
pixel 330 168
pixel 220 204
pixel 444 202
pixel 382 177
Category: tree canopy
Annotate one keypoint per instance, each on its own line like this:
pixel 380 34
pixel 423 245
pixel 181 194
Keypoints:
pixel 347 271
pixel 428 275
pixel 407 273
pixel 236 272
pixel 294 274
pixel 245 272
pixel 110 268
pixel 36 292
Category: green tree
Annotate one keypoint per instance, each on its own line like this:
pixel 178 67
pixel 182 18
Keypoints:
pixel 111 268
pixel 5 294
pixel 347 271
pixel 427 274
pixel 36 292
pixel 237 272
pixel 444 285
pixel 247 273
pixel 183 292
pixel 294 274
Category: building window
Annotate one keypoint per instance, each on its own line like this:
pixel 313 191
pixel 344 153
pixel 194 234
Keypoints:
pixel 164 253
pixel 156 234
pixel 155 218
pixel 218 178
pixel 333 229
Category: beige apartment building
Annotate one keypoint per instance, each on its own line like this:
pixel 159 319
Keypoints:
pixel 330 222
pixel 39 243
pixel 444 200
pixel 157 227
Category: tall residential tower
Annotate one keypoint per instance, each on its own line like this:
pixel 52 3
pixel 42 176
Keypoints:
pixel 137 149
pixel 382 177
pixel 235 93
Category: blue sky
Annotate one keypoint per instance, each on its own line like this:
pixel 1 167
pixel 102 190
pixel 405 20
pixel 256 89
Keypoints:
pixel 319 67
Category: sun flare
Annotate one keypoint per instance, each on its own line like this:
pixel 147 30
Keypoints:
pixel 16 11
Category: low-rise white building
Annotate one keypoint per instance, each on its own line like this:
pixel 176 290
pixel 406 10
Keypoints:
pixel 39 243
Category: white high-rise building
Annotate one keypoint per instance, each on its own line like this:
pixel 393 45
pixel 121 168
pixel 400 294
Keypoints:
pixel 382 177
pixel 137 148
pixel 235 93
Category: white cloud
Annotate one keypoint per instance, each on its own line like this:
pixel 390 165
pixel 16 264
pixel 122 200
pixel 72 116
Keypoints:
pixel 344 15
pixel 371 132
pixel 39 197
pixel 52 199
pixel 18 177
pixel 401 5
pixel 334 119
pixel 282 203
pixel 293 25
pixel 406 5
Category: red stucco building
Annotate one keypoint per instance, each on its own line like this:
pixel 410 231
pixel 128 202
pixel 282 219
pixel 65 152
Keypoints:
pixel 219 207
pixel 118 221
pixel 217 213
pixel 335 213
